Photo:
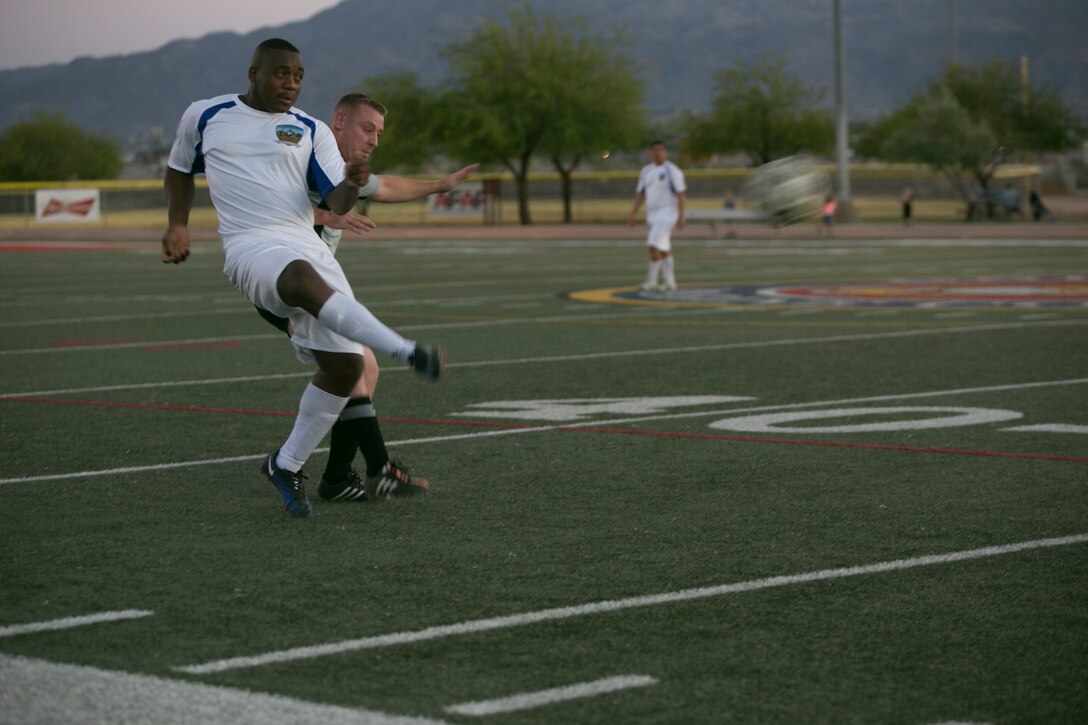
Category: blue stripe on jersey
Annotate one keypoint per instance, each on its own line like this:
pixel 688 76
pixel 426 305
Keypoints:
pixel 198 160
pixel 316 178
pixel 668 172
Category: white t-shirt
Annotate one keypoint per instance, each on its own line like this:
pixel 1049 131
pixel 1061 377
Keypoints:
pixel 260 167
pixel 660 185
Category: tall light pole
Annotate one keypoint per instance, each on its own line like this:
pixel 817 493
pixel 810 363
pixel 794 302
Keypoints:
pixel 842 129
pixel 951 32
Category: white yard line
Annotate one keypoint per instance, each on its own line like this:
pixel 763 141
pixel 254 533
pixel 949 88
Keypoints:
pixel 118 318
pixel 530 700
pixel 467 324
pixel 163 385
pixel 614 605
pixel 1050 428
pixel 36 691
pixel 642 352
pixel 141 343
pixel 544 428
pixel 248 311
pixel 70 622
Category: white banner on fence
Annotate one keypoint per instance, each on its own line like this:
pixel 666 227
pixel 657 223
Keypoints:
pixel 466 199
pixel 67 205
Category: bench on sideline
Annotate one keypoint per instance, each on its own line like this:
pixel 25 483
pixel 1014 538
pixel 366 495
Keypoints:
pixel 726 216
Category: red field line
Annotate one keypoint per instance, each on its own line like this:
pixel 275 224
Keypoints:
pixel 150 347
pixel 570 429
pixel 192 346
pixel 71 246
pixel 149 406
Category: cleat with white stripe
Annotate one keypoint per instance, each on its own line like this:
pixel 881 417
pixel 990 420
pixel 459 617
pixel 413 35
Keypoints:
pixel 349 488
pixel 392 481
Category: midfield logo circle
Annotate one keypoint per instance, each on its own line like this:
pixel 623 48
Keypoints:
pixel 1069 292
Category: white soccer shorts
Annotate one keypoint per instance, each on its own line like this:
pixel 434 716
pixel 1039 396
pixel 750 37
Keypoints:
pixel 254 267
pixel 661 223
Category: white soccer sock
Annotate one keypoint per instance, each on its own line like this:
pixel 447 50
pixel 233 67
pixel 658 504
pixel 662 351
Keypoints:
pixel 653 272
pixel 670 278
pixel 317 412
pixel 347 317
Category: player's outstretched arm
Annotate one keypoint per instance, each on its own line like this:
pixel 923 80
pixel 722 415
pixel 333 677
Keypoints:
pixel 395 189
pixel 180 190
pixel 350 222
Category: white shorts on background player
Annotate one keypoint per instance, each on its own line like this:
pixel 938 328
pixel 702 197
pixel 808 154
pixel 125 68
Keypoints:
pixel 260 168
pixel 661 223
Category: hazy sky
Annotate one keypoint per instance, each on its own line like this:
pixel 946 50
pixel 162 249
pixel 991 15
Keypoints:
pixel 37 32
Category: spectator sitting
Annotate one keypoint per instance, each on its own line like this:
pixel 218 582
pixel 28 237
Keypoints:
pixel 1039 212
pixel 1010 200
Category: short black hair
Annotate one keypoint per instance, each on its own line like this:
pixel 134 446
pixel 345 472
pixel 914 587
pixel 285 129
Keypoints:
pixel 658 142
pixel 276 44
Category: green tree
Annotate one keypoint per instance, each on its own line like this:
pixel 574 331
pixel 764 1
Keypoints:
pixel 1023 119
pixel 409 139
pixel 969 120
pixel 50 148
pixel 602 111
pixel 762 110
pixel 524 85
pixel 939 132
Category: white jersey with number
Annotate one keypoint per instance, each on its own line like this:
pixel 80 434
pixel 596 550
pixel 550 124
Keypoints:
pixel 660 185
pixel 260 167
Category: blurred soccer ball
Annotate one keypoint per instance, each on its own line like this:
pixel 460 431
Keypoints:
pixel 789 190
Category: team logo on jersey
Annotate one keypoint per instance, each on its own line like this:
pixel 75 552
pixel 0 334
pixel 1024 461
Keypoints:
pixel 286 133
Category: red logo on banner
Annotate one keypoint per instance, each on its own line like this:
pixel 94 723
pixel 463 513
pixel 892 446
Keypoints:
pixel 79 208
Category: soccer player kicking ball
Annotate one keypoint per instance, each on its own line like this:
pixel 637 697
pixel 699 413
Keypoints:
pixel 358 122
pixel 261 157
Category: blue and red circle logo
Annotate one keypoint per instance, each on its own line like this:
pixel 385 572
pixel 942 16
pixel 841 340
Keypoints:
pixel 1069 292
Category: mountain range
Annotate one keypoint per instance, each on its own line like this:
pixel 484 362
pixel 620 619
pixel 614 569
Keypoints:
pixel 892 48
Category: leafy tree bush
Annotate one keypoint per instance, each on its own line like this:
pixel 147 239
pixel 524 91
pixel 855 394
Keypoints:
pixel 50 148
pixel 762 110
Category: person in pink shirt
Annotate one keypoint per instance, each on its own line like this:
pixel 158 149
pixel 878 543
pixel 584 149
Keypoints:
pixel 828 215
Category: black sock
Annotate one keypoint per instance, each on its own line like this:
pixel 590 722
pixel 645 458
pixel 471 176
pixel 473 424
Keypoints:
pixel 342 450
pixel 359 423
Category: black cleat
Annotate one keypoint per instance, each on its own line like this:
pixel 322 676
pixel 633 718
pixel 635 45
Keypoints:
pixel 392 481
pixel 429 361
pixel 289 485
pixel 349 488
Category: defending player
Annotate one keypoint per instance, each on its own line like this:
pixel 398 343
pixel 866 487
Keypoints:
pixel 661 186
pixel 261 157
pixel 358 122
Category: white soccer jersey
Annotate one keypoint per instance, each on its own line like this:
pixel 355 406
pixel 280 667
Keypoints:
pixel 660 185
pixel 259 166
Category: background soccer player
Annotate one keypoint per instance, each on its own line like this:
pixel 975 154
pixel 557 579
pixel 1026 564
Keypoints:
pixel 661 186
